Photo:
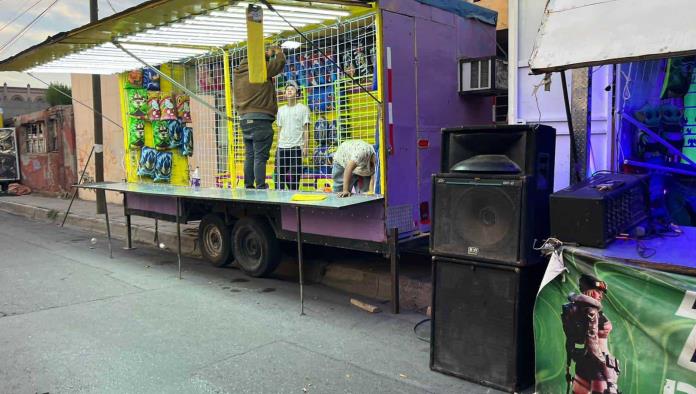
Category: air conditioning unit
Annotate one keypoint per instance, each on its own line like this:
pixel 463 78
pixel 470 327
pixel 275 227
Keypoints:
pixel 485 76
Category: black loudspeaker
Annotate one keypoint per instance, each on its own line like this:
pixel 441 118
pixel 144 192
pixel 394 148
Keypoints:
pixel 491 201
pixel 494 218
pixel 482 322
pixel 514 149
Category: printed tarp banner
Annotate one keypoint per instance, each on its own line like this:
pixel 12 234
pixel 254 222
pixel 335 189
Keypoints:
pixel 609 327
pixel 9 159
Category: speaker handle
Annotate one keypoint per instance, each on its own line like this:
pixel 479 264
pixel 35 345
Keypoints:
pixel 543 169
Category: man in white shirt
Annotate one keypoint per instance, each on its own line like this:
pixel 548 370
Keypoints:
pixel 354 167
pixel 293 139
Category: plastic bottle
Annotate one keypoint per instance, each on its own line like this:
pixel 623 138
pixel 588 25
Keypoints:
pixel 196 179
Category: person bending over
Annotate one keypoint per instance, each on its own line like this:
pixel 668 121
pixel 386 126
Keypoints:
pixel 353 167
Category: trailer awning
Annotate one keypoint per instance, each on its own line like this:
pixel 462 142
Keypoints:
pixel 161 31
pixel 582 33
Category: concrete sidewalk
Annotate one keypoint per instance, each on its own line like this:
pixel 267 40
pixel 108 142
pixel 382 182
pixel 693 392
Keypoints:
pixel 363 274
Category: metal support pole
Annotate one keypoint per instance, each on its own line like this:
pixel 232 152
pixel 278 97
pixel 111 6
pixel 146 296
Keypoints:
pixel 394 260
pixel 98 124
pixel 108 231
pixel 300 258
pixel 574 173
pixel 129 231
pixel 156 240
pixel 129 238
pixel 178 233
pixel 72 200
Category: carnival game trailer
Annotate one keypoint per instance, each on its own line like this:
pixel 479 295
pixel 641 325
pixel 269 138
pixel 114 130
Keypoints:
pixel 382 72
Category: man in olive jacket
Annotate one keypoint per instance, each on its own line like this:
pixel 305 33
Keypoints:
pixel 256 104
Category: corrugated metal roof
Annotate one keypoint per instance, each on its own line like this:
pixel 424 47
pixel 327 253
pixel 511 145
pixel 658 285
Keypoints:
pixel 160 31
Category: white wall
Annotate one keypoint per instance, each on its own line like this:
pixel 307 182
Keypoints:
pixel 550 109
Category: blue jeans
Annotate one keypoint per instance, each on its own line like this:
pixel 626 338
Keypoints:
pixel 258 138
pixel 361 183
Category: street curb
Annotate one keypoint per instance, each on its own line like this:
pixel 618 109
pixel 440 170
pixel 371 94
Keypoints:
pixel 414 294
pixel 139 234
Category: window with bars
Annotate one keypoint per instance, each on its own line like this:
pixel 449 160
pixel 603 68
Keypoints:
pixel 34 137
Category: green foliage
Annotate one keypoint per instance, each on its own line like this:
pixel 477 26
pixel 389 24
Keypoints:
pixel 54 96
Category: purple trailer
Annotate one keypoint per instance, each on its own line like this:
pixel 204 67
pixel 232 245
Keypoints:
pixel 401 59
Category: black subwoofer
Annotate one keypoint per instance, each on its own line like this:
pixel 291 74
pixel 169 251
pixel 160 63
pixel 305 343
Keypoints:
pixel 482 322
pixel 492 218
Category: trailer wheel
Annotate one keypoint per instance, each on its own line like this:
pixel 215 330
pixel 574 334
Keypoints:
pixel 215 241
pixel 256 246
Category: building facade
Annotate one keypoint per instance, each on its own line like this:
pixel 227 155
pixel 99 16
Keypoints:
pixel 16 101
pixel 47 156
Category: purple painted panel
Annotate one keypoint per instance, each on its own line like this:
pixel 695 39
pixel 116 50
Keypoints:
pixel 363 222
pixel 405 7
pixel 401 165
pixel 439 103
pixel 428 164
pixel 157 204
pixel 442 16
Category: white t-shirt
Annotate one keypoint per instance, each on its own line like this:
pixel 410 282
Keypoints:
pixel 292 121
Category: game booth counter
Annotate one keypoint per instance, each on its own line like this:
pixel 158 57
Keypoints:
pixel 616 312
pixel 382 72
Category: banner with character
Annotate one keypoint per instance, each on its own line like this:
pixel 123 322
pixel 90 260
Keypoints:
pixel 608 327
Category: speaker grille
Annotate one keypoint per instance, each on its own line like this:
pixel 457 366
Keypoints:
pixel 477 219
pixel 470 341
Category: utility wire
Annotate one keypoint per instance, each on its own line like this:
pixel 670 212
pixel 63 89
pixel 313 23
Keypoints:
pixel 21 14
pixel 111 6
pixel 21 33
pixel 78 101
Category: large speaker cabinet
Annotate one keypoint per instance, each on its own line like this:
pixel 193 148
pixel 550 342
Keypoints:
pixel 482 322
pixel 491 201
pixel 491 218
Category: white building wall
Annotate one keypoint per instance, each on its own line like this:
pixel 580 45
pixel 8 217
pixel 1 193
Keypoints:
pixel 550 109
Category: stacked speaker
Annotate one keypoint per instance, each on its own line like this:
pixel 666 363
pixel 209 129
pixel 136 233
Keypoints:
pixel 490 205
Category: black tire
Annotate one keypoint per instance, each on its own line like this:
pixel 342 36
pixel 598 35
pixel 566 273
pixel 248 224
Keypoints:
pixel 214 240
pixel 256 246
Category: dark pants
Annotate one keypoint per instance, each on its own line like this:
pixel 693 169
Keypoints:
pixel 289 168
pixel 258 138
pixel 360 183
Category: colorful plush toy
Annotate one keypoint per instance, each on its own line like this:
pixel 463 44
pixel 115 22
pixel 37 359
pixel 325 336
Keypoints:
pixel 689 129
pixel 146 166
pixel 183 107
pixel 134 79
pixel 163 167
pixel 186 147
pixel 137 103
pixel 168 107
pixel 176 133
pixel 161 134
pixel 677 77
pixel 151 80
pixel 153 107
pixel 671 118
pixel 136 133
pixel 320 129
pixel 650 116
pixel 332 133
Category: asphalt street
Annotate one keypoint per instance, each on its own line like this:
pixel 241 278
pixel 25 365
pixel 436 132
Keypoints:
pixel 74 321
